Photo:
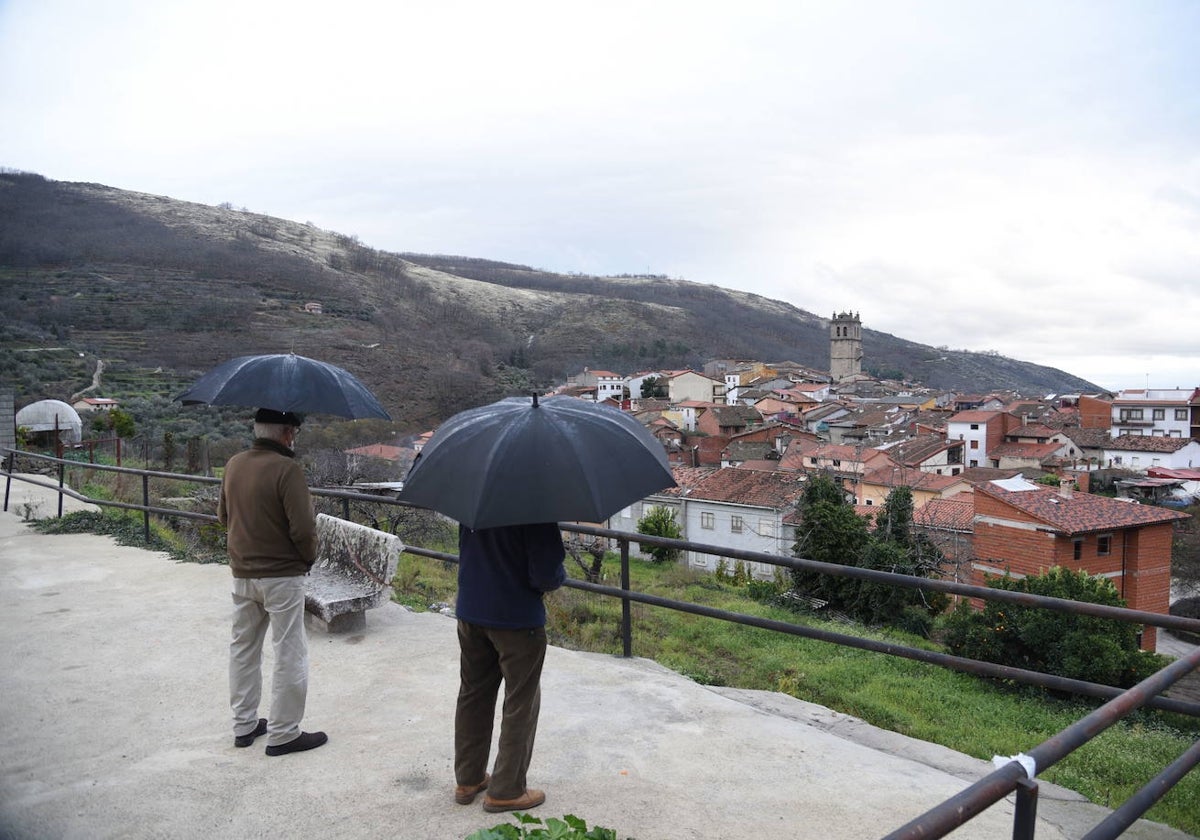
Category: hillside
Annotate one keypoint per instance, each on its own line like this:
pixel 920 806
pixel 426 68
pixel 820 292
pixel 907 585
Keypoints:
pixel 162 290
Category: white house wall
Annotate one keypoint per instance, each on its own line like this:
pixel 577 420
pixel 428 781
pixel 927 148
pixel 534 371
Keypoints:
pixel 963 431
pixel 762 531
pixel 1185 458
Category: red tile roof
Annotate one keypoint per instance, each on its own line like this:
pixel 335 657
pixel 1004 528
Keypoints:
pixel 685 479
pixel 898 476
pixel 920 448
pixel 801 450
pixel 1082 512
pixel 1033 430
pixel 974 416
pixel 957 514
pixel 1036 451
pixel 778 490
pixel 1148 443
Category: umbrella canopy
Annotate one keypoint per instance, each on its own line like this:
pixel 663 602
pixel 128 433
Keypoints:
pixel 285 382
pixel 518 461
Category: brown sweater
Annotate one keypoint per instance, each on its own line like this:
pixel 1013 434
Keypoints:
pixel 268 510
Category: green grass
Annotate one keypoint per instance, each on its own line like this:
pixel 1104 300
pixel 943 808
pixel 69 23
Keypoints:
pixel 191 543
pixel 978 717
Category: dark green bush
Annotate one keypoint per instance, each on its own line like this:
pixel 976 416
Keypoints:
pixel 1069 645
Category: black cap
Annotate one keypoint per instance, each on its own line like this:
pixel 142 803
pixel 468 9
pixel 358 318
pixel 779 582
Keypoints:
pixel 279 418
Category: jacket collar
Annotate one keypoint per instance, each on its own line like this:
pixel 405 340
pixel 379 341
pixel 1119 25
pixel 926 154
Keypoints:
pixel 274 446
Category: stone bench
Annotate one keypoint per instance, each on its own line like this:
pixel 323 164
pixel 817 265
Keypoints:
pixel 353 573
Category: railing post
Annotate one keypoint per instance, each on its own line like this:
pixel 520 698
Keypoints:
pixel 7 488
pixel 1025 816
pixel 145 505
pixel 346 509
pixel 626 617
pixel 62 470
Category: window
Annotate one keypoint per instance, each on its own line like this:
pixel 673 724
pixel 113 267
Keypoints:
pixel 1160 414
pixel 766 527
pixel 1077 545
pixel 735 524
pixel 973 463
pixel 1104 545
pixel 837 462
pixel 974 444
pixel 1131 414
pixel 812 461
pixel 974 427
pixel 1181 414
pixel 707 520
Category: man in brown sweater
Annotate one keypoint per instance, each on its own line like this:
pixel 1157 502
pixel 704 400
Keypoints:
pixel 268 511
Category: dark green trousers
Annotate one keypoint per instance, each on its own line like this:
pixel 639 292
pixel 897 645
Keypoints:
pixel 488 656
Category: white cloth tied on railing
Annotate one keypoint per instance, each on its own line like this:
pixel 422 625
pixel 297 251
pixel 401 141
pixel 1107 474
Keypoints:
pixel 1026 761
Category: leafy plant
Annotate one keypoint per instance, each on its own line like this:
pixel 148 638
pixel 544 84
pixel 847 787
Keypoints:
pixel 1070 645
pixel 832 532
pixel 568 828
pixel 660 521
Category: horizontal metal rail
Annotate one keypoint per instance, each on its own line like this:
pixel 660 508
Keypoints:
pixel 949 815
pixel 937 822
pixel 1132 809
pixel 986 593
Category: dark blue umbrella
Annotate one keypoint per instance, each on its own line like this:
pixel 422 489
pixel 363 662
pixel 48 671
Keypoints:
pixel 285 382
pixel 520 461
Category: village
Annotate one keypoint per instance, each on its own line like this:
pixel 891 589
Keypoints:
pixel 1001 483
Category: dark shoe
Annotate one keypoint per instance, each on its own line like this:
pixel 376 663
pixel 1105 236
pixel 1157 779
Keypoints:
pixel 530 799
pixel 248 739
pixel 304 741
pixel 465 794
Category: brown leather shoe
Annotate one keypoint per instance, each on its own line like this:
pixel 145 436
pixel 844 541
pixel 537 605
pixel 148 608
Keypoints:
pixel 465 794
pixel 530 799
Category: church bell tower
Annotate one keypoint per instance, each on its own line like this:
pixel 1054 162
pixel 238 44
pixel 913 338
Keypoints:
pixel 845 346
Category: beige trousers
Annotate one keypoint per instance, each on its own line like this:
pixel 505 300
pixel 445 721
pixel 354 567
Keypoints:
pixel 279 604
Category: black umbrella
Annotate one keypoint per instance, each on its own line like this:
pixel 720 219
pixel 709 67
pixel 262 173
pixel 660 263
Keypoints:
pixel 285 382
pixel 518 461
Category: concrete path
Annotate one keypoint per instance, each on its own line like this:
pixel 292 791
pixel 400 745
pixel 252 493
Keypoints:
pixel 114 724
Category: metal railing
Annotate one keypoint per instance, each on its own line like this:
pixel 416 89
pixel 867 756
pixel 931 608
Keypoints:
pixel 1016 776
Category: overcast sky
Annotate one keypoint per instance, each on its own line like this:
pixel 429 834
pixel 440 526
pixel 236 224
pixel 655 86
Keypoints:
pixel 1014 176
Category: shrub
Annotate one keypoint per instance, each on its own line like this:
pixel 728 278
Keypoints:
pixel 1069 645
pixel 832 532
pixel 660 521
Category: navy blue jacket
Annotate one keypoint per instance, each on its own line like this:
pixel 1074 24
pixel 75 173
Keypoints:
pixel 503 572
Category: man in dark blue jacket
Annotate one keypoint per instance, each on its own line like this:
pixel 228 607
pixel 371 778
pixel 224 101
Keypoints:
pixel 502 576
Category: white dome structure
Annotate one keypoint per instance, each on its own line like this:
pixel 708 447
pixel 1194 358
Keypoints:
pixel 48 415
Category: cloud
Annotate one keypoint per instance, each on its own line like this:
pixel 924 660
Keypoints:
pixel 1015 176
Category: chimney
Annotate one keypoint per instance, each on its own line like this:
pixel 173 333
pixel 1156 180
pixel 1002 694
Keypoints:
pixel 1066 487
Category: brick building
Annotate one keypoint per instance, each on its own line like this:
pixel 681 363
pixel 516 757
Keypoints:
pixel 1024 529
